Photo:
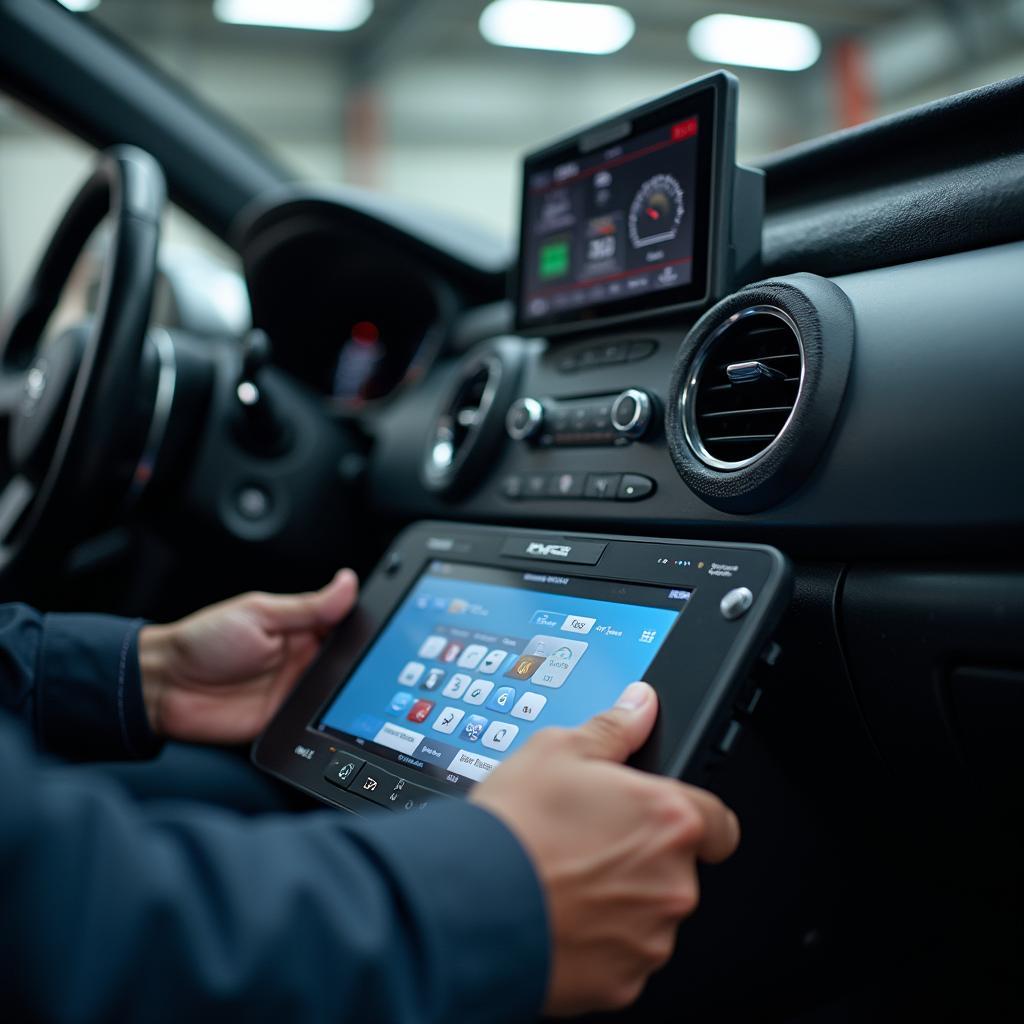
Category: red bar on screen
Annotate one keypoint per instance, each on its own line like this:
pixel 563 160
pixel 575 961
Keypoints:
pixel 684 129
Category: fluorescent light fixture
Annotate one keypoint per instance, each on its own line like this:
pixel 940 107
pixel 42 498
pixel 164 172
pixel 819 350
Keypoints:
pixel 80 5
pixel 556 25
pixel 754 42
pixel 319 15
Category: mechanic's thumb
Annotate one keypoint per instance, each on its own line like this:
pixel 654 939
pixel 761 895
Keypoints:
pixel 318 610
pixel 616 733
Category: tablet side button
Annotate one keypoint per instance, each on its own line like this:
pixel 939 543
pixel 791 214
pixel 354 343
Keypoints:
pixel 343 769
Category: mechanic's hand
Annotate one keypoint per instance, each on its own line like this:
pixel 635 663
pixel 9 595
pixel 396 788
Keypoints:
pixel 219 675
pixel 616 850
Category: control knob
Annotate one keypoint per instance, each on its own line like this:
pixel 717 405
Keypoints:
pixel 632 413
pixel 524 419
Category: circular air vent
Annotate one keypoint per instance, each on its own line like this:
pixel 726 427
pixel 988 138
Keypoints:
pixel 745 383
pixel 756 390
pixel 470 422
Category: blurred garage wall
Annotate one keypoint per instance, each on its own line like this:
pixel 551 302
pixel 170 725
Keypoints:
pixel 417 104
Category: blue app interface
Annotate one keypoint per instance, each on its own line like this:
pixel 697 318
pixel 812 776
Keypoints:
pixel 475 660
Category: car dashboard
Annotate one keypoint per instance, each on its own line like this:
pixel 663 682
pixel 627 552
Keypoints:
pixel 876 358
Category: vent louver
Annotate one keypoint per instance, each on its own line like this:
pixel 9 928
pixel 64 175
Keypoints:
pixel 458 428
pixel 745 383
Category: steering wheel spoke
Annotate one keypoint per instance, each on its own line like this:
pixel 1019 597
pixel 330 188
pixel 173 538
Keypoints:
pixel 15 498
pixel 13 391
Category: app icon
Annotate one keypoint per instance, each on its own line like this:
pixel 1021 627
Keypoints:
pixel 525 665
pixel 433 678
pixel 471 656
pixel 400 702
pixel 493 661
pixel 499 735
pixel 457 606
pixel 503 700
pixel 577 624
pixel 560 658
pixel 479 691
pixel 552 620
pixel 529 706
pixel 473 728
pixel 451 652
pixel 432 646
pixel 448 720
pixel 420 710
pixel 457 685
pixel 410 675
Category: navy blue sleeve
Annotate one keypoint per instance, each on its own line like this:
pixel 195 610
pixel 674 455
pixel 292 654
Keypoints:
pixel 74 681
pixel 115 912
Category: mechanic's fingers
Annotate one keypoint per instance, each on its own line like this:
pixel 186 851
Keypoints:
pixel 318 610
pixel 721 826
pixel 616 733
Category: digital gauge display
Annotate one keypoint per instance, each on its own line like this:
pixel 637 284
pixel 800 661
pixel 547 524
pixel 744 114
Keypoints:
pixel 615 219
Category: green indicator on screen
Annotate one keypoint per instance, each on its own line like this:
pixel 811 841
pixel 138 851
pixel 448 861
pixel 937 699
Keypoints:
pixel 554 259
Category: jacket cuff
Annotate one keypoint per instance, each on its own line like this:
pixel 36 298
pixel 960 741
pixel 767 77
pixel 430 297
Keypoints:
pixel 89 702
pixel 477 906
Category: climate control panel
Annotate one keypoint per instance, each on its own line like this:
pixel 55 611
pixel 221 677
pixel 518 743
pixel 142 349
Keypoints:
pixel 615 419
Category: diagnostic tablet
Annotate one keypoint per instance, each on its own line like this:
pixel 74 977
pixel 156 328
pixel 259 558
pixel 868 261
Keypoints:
pixel 468 640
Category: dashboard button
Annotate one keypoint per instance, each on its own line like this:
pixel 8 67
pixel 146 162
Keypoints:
pixel 616 352
pixel 566 485
pixel 559 421
pixel 642 349
pixel 736 603
pixel 535 485
pixel 578 417
pixel 512 487
pixel 602 485
pixel 600 417
pixel 343 769
pixel 633 487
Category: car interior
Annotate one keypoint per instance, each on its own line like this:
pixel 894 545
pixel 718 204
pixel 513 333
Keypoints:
pixel 818 351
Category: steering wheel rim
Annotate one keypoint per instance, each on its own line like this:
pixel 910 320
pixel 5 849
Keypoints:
pixel 38 509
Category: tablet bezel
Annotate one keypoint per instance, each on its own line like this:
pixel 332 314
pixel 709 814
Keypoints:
pixel 714 669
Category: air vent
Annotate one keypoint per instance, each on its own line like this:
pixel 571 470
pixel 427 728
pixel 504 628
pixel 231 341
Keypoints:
pixel 470 424
pixel 744 386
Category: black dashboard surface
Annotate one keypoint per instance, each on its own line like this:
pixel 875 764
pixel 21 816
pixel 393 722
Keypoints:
pixel 921 442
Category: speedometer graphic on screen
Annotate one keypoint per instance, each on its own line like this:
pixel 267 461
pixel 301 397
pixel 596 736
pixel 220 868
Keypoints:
pixel 656 211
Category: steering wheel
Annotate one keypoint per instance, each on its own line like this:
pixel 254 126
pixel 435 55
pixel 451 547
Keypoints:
pixel 68 397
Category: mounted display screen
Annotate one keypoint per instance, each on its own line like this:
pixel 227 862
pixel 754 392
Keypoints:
pixel 616 219
pixel 477 659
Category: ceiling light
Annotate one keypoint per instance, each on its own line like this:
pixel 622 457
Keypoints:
pixel 80 5
pixel 556 25
pixel 754 42
pixel 321 15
